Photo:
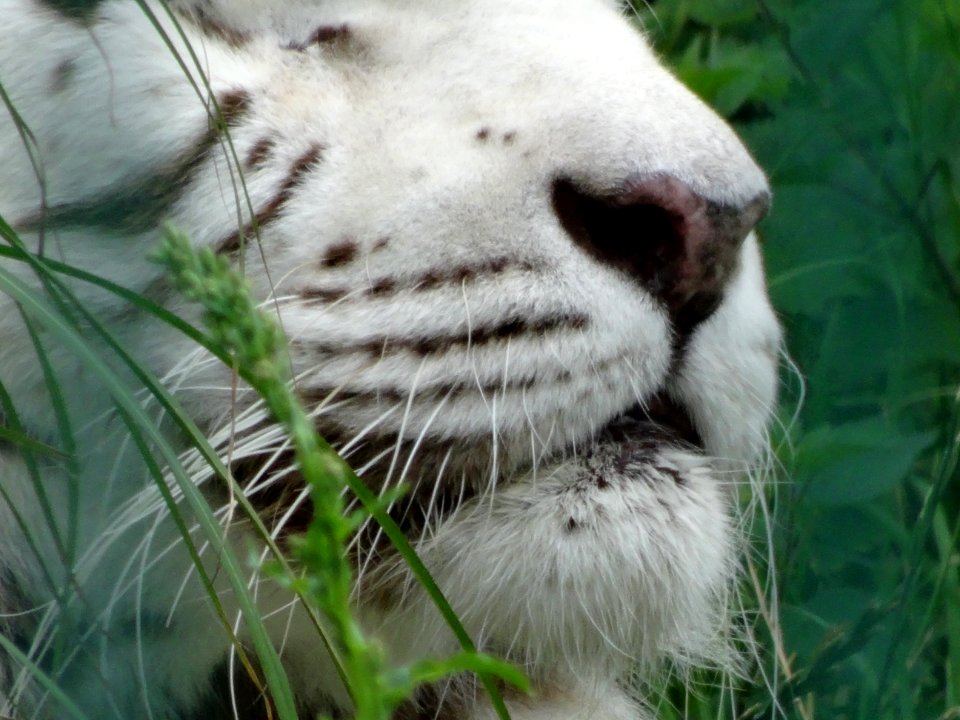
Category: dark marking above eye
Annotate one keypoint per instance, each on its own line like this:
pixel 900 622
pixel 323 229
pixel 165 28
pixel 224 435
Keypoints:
pixel 509 137
pixel 340 253
pixel 483 133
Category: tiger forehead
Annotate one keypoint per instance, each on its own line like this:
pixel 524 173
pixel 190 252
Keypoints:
pixel 375 34
pixel 327 14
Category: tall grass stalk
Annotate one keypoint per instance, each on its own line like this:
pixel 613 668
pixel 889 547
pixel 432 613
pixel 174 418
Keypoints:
pixel 254 343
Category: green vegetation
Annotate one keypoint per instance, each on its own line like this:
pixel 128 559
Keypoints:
pixel 854 110
pixel 243 337
pixel 254 345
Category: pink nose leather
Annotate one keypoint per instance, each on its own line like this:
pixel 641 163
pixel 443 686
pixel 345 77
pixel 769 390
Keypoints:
pixel 680 246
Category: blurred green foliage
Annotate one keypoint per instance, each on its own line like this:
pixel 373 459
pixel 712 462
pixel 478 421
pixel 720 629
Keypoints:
pixel 853 108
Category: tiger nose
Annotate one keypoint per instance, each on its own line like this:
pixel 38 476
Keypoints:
pixel 680 246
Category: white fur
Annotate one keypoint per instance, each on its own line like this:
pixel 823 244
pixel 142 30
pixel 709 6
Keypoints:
pixel 442 126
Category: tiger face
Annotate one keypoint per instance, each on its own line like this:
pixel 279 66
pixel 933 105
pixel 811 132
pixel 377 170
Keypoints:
pixel 513 259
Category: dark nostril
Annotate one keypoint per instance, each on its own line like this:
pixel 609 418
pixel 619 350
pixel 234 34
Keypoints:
pixel 682 247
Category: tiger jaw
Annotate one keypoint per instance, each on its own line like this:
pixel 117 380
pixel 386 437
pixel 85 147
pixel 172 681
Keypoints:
pixel 627 558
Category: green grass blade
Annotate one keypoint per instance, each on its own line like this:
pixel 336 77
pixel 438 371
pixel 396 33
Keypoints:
pixel 369 500
pixel 128 403
pixel 169 404
pixel 50 685
pixel 246 333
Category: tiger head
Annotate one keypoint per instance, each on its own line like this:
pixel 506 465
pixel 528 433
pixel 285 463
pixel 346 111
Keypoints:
pixel 513 257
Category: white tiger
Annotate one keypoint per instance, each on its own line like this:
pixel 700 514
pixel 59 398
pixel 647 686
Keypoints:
pixel 514 261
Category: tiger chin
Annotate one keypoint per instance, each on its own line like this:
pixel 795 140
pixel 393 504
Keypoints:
pixel 514 259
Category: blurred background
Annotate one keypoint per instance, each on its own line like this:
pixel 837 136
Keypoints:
pixel 853 108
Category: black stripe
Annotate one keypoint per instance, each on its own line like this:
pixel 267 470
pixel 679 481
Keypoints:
pixel 456 389
pixel 233 242
pixel 426 281
pixel 140 204
pixel 436 344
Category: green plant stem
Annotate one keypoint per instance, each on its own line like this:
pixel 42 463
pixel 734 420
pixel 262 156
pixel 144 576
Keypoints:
pixel 255 345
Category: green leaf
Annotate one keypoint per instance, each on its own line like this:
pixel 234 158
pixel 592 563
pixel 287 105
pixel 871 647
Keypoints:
pixel 859 460
pixel 23 440
pixel 719 13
